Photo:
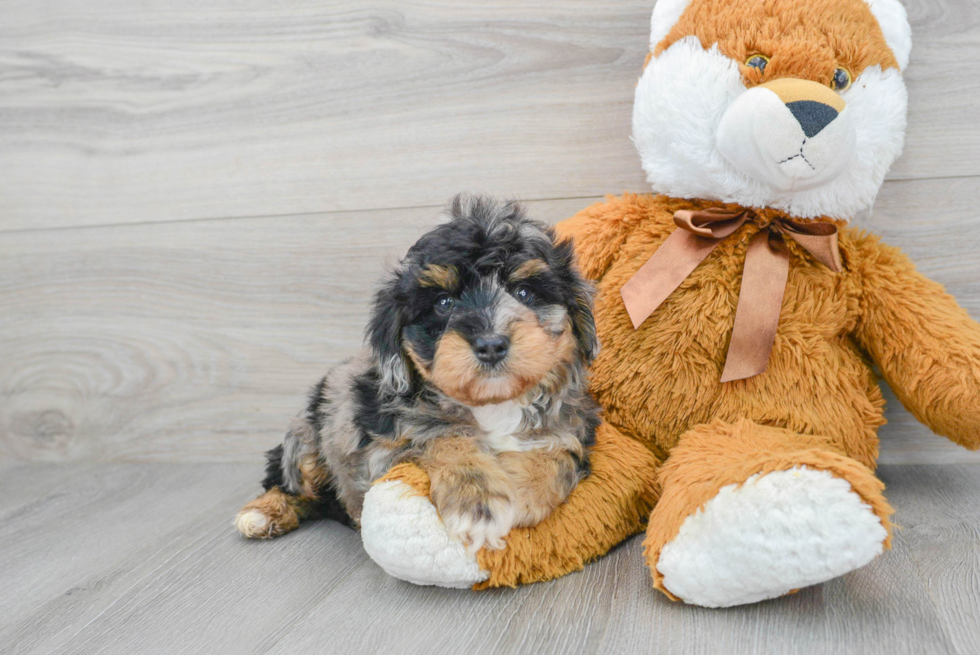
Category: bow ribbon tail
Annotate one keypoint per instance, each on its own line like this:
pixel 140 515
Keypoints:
pixel 677 257
pixel 759 302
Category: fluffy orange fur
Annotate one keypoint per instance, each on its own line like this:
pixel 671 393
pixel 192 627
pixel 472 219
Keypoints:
pixel 817 405
pixel 819 395
pixel 674 435
pixel 806 40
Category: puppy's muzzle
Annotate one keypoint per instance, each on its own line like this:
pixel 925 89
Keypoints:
pixel 788 134
pixel 491 348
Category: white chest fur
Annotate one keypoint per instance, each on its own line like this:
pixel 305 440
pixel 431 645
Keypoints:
pixel 501 422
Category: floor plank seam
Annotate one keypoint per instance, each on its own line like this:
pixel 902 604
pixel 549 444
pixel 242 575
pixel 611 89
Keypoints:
pixel 341 212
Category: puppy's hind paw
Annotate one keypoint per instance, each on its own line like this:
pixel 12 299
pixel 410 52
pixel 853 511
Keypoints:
pixel 253 524
pixel 270 515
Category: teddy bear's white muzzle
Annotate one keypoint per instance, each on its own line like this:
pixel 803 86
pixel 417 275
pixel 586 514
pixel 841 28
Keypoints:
pixel 793 136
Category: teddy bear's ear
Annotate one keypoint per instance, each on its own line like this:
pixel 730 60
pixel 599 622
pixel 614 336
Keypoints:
pixel 894 24
pixel 665 14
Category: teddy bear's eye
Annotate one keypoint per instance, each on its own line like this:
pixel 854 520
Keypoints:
pixel 757 62
pixel 842 80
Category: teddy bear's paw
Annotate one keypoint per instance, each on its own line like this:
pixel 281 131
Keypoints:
pixel 402 532
pixel 774 533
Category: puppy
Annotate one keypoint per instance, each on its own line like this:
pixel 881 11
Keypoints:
pixel 479 344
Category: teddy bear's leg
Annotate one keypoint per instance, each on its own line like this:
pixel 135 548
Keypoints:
pixel 750 512
pixel 402 531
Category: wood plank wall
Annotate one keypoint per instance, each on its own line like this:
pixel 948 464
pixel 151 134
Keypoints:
pixel 196 197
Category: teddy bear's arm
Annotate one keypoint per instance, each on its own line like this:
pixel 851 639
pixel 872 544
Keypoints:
pixel 600 230
pixel 403 533
pixel 926 346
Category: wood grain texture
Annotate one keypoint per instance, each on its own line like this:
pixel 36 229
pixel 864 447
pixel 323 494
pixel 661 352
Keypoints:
pixel 197 341
pixel 943 536
pixel 184 341
pixel 167 109
pixel 125 558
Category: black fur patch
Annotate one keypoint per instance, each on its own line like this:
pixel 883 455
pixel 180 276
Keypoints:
pixel 372 415
pixel 314 412
pixel 273 469
pixel 328 506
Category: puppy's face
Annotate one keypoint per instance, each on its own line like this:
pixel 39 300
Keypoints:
pixel 484 308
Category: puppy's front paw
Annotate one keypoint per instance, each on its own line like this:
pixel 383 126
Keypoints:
pixel 477 520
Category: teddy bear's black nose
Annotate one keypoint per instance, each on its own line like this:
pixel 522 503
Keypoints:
pixel 812 116
pixel 492 348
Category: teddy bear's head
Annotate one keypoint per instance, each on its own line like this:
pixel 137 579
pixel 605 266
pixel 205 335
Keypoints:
pixel 797 105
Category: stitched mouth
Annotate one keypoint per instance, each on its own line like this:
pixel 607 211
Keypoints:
pixel 800 155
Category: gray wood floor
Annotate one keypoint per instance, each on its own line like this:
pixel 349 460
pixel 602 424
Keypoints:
pixel 195 200
pixel 142 558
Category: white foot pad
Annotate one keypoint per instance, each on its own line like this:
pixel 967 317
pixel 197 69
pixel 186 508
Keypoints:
pixel 775 533
pixel 253 524
pixel 403 533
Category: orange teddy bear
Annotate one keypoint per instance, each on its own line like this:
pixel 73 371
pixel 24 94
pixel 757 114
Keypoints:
pixel 740 316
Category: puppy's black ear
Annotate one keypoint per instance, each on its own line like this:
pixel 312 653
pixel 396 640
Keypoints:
pixel 580 303
pixel 384 336
pixel 583 320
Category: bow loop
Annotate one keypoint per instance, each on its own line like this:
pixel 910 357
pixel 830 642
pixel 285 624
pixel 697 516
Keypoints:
pixel 714 223
pixel 818 239
pixel 763 279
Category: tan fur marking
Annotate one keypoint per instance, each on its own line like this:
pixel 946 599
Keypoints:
pixel 469 489
pixel 533 354
pixel 541 481
pixel 456 371
pixel 443 277
pixel 789 90
pixel 803 39
pixel 312 473
pixel 281 510
pixel 527 269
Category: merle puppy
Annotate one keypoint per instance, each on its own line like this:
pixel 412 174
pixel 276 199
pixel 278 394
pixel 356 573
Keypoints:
pixel 476 370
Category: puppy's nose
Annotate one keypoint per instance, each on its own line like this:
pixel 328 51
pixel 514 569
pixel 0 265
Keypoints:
pixel 814 106
pixel 491 349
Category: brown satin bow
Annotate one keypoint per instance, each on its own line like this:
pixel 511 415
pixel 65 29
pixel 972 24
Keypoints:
pixel 763 279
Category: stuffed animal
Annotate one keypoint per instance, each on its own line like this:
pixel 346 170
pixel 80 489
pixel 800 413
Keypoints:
pixel 740 318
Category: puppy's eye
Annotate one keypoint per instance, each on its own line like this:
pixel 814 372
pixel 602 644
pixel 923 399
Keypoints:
pixel 841 81
pixel 757 62
pixel 524 294
pixel 445 304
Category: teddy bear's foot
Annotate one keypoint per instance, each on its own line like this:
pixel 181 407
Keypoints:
pixel 402 532
pixel 772 534
pixel 751 512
